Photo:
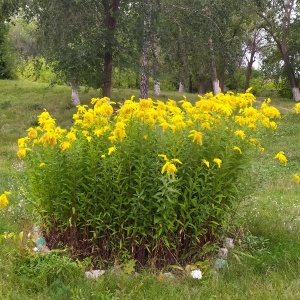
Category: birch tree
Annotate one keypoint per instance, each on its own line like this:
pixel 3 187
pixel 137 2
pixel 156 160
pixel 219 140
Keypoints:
pixel 145 57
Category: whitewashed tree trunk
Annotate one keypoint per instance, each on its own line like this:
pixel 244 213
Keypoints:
pixel 181 88
pixel 215 81
pixel 155 66
pixel 145 50
pixel 216 86
pixel 157 87
pixel 75 94
pixel 296 94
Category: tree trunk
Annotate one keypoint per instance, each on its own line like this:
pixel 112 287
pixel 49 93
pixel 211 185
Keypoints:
pixel 190 83
pixel 282 45
pixel 111 9
pixel 215 81
pixel 181 87
pixel 216 86
pixel 106 89
pixel 155 66
pixel 289 70
pixel 145 50
pixel 251 60
pixel 75 93
pixel 202 82
pixel 201 87
pixel 249 69
pixel 222 83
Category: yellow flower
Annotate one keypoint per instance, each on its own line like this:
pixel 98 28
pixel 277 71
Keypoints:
pixel 297 108
pixel 197 136
pixel 270 112
pixel 112 138
pixel 171 170
pixel 49 139
pixel 205 162
pixel 164 125
pixel 163 156
pixel 281 157
pixel 205 125
pixel 240 133
pixel 173 160
pixel 103 156
pixel 45 119
pixel 254 142
pixel 3 199
pixel 218 161
pixel 32 133
pixel 42 165
pixel 169 166
pixel 273 125
pixel 71 136
pixel 65 145
pixel 98 132
pixel 22 142
pixel 22 152
pixel 237 149
pixel 111 150
pixel 296 177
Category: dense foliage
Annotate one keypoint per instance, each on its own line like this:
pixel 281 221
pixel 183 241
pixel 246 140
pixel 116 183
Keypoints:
pixel 151 180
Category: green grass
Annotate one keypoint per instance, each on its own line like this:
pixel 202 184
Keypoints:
pixel 264 264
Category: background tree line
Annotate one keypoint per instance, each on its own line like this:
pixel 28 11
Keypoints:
pixel 194 46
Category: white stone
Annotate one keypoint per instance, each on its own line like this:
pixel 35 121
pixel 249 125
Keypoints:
pixel 220 263
pixel 229 243
pixel 94 273
pixel 223 252
pixel 196 274
pixel 168 275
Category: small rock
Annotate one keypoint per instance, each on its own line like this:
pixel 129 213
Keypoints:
pixel 220 263
pixel 196 274
pixel 94 273
pixel 223 252
pixel 168 275
pixel 43 249
pixel 40 241
pixel 229 243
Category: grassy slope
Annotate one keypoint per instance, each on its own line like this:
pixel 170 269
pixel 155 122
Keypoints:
pixel 265 268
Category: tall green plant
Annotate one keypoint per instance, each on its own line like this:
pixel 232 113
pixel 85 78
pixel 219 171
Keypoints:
pixel 153 180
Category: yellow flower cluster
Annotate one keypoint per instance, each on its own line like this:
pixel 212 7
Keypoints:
pixel 281 157
pixel 3 199
pixel 194 121
pixel 169 166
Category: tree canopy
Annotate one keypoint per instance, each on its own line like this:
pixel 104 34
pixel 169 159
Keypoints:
pixel 195 46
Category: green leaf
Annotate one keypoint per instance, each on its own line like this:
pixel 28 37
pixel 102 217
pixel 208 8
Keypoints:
pixel 129 267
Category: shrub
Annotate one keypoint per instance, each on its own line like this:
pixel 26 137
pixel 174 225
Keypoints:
pixel 151 180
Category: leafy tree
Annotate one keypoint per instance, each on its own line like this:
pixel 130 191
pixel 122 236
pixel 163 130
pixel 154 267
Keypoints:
pixel 78 38
pixel 277 18
pixel 7 9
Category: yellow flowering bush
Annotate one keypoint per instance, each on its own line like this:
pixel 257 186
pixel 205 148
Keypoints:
pixel 153 179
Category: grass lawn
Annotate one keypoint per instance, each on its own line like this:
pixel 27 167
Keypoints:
pixel 263 265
